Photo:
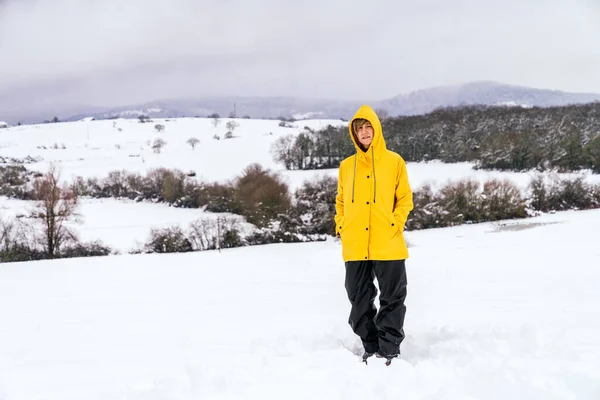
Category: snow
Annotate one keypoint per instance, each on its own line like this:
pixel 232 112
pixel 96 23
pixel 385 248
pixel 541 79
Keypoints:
pixel 307 115
pixel 504 310
pixel 92 149
pixel 492 314
pixel 513 104
pixel 123 225
pixel 140 112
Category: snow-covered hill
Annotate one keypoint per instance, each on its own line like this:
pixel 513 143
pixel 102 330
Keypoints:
pixel 93 149
pixel 494 312
pixel 22 105
pixel 416 102
pixel 483 92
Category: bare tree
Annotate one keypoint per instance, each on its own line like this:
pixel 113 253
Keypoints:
pixel 227 232
pixel 211 234
pixel 202 235
pixel 283 150
pixel 16 240
pixel 6 234
pixel 230 125
pixel 158 145
pixel 56 204
pixel 193 142
pixel 215 119
pixel 159 127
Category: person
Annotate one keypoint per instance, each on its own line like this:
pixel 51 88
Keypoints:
pixel 373 201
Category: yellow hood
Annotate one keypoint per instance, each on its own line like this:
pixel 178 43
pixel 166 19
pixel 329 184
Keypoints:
pixel 378 143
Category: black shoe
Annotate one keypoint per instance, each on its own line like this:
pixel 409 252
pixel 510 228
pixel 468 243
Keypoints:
pixel 388 358
pixel 366 355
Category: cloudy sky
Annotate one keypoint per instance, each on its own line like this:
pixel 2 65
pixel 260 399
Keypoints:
pixel 114 52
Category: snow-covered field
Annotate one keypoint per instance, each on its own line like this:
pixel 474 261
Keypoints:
pixel 121 224
pixel 493 313
pixel 94 148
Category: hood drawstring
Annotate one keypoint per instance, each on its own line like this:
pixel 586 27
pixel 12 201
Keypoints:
pixel 354 177
pixel 374 177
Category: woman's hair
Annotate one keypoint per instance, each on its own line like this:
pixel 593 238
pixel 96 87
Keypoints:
pixel 357 123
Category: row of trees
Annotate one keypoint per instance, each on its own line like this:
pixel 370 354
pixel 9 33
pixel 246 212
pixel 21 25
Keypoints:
pixel 506 138
pixel 262 199
pixel 258 196
pixel 311 149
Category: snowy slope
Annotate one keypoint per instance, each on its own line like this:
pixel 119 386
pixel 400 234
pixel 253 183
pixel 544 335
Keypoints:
pixel 28 103
pixel 480 92
pixel 92 149
pixel 493 313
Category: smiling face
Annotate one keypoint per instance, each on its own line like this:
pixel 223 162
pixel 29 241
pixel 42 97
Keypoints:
pixel 364 132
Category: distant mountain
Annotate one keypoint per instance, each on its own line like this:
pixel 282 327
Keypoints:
pixel 484 92
pixel 253 107
pixel 414 103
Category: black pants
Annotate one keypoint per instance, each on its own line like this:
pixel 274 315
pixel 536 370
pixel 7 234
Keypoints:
pixel 381 331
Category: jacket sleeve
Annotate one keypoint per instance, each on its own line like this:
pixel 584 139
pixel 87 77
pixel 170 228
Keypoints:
pixel 339 203
pixel 403 203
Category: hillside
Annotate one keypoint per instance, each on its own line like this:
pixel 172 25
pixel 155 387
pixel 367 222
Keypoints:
pixel 481 93
pixel 95 148
pixel 414 103
pixel 515 138
pixel 127 182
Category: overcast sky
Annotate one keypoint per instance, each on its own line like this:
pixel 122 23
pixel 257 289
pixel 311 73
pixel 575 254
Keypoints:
pixel 113 52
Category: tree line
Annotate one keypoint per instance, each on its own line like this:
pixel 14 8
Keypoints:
pixel 258 199
pixel 512 138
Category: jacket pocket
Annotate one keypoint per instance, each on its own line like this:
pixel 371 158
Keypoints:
pixel 345 223
pixel 340 227
pixel 394 226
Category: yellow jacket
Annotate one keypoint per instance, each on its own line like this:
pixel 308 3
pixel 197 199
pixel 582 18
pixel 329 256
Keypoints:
pixel 373 200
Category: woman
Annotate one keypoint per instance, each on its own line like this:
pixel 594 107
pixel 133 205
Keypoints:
pixel 372 205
